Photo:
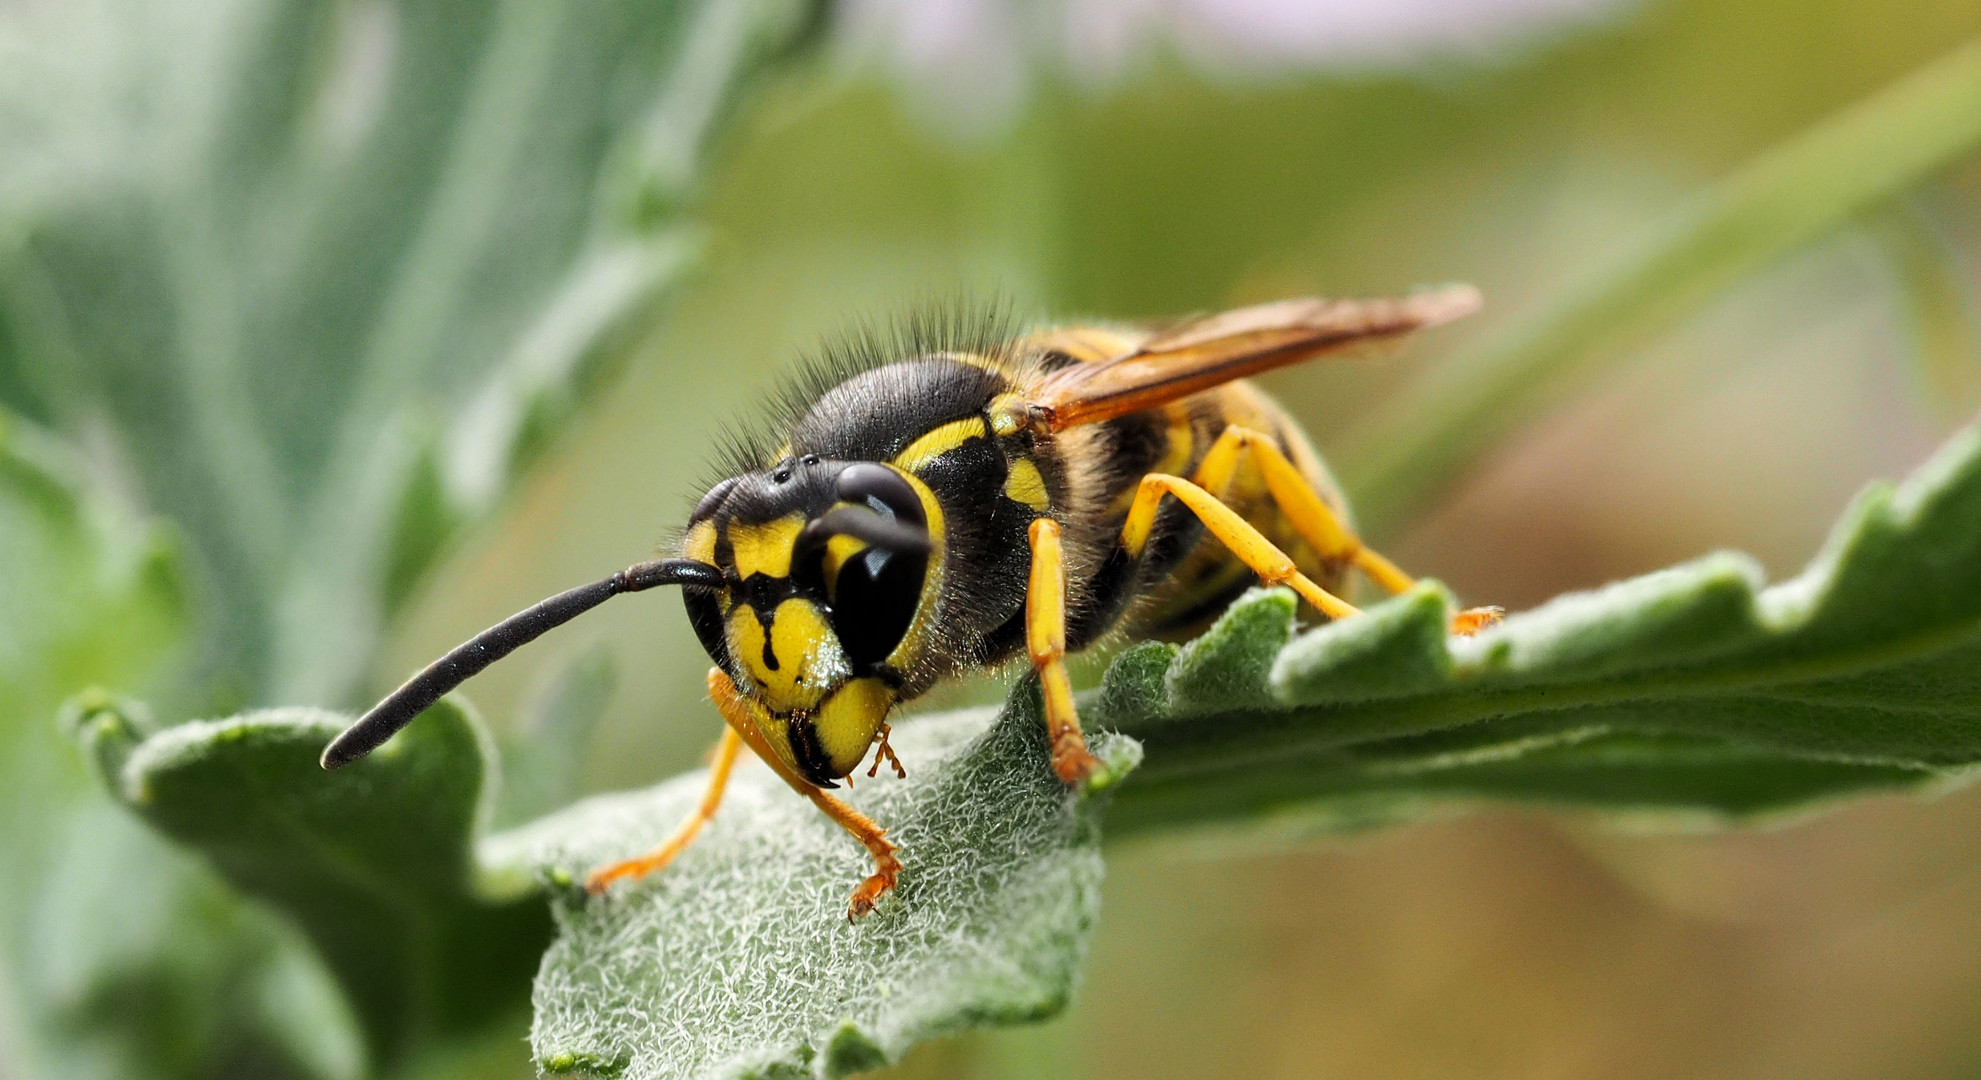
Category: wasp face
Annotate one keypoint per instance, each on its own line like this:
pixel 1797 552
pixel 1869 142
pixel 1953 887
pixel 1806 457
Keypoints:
pixel 825 567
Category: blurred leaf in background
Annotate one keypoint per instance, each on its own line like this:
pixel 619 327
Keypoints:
pixel 344 271
pixel 375 867
pixel 311 282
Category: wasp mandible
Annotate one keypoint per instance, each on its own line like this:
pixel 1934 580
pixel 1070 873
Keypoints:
pixel 936 504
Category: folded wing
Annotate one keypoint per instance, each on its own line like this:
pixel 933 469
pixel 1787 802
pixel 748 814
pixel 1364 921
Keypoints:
pixel 1201 353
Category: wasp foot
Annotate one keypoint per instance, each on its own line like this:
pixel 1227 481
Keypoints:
pixel 1472 620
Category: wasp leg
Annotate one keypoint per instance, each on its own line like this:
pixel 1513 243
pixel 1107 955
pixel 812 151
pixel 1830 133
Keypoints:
pixel 1312 517
pixel 1045 640
pixel 887 868
pixel 718 780
pixel 1251 547
pixel 885 753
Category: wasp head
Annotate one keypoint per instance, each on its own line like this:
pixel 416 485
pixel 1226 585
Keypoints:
pixel 826 571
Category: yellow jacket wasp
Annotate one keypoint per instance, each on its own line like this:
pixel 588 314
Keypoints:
pixel 939 503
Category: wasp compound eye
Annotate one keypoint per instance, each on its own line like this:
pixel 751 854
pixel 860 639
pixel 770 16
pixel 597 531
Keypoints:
pixel 873 601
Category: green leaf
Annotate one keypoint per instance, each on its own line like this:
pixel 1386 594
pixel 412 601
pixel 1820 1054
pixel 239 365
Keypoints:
pixel 1938 315
pixel 118 955
pixel 540 756
pixel 1695 690
pixel 1801 190
pixel 94 594
pixel 374 861
pixel 739 959
pixel 344 271
pixel 141 962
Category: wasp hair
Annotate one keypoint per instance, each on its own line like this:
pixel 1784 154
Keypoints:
pixel 986 328
pixel 468 659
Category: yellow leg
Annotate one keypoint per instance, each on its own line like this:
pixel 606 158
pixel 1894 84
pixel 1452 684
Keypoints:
pixel 884 752
pixel 1253 549
pixel 1312 517
pixel 718 780
pixel 887 868
pixel 1045 640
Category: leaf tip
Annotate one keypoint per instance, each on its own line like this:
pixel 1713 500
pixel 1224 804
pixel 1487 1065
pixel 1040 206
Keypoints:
pixel 1388 649
pixel 851 1050
pixel 1227 666
pixel 1134 686
pixel 106 727
pixel 1118 755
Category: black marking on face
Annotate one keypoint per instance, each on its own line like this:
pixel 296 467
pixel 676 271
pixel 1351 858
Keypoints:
pixel 763 593
pixel 705 617
pixel 806 752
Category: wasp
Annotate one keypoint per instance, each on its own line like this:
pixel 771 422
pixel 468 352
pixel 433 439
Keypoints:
pixel 968 493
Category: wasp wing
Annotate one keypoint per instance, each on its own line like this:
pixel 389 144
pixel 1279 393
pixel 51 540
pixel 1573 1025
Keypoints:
pixel 1201 353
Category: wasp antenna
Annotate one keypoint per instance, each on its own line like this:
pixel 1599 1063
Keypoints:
pixel 886 533
pixel 419 693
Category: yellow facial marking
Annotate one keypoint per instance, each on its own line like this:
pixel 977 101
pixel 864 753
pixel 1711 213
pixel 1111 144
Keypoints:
pixel 847 721
pixel 1024 485
pixel 941 441
pixel 807 655
pixel 699 544
pixel 765 549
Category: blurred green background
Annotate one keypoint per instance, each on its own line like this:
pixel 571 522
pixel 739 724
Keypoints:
pixel 1489 944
